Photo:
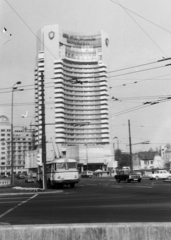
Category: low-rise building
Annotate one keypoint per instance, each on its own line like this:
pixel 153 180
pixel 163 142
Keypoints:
pixel 23 141
pixel 147 160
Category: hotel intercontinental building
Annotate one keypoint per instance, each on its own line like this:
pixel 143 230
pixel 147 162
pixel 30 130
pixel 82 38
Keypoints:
pixel 74 67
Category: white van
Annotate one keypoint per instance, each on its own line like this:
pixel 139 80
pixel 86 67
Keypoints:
pixel 87 174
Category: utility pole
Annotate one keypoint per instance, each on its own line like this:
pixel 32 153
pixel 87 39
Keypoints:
pixel 87 155
pixel 43 135
pixel 130 145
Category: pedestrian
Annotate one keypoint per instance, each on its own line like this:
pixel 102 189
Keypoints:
pixel 108 173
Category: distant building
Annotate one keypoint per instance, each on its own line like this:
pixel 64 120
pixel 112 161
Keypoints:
pixel 166 154
pixel 23 141
pixel 74 66
pixel 147 160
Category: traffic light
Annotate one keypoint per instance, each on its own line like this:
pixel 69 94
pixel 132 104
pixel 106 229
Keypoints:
pixel 39 159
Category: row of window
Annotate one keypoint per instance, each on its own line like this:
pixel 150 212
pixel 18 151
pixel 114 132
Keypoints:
pixel 9 130
pixel 86 135
pixel 84 139
pixel 83 92
pixel 84 87
pixel 16 162
pixel 19 156
pixel 87 101
pixel 3 168
pixel 75 69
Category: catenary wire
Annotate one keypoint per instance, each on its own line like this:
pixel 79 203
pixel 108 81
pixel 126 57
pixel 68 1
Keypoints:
pixel 142 17
pixel 143 30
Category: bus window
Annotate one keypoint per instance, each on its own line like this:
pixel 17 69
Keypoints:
pixel 72 165
pixel 60 165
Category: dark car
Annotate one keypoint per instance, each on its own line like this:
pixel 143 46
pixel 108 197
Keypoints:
pixel 128 176
pixel 29 179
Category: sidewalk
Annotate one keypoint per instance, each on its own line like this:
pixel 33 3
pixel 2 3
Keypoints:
pixel 20 187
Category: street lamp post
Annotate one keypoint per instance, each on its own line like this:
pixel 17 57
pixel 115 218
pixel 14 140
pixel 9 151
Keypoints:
pixel 12 151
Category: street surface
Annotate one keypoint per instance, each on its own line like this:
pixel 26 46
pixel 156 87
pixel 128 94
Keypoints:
pixel 95 200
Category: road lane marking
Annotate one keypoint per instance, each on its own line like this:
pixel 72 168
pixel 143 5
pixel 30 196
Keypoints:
pixel 6 198
pixel 11 202
pixel 11 209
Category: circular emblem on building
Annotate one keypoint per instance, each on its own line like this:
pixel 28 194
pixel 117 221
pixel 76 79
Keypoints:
pixel 51 35
pixel 107 41
pixel 3 118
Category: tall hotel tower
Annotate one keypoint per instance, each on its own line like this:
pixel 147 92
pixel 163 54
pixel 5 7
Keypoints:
pixel 74 66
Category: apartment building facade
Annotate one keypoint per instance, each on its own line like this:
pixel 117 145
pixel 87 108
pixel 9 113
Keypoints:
pixel 23 141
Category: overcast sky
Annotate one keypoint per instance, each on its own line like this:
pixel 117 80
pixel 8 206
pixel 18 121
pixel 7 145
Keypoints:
pixel 140 35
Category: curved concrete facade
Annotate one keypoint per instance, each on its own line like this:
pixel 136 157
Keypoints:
pixel 76 88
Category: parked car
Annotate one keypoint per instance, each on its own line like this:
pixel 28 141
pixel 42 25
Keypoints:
pixel 20 176
pixel 29 179
pixel 3 176
pixel 87 174
pixel 127 176
pixel 160 174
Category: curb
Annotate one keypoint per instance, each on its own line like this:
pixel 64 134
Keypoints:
pixel 28 193
pixel 96 231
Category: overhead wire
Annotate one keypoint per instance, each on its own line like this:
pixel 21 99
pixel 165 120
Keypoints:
pixel 53 54
pixel 142 29
pixel 29 28
pixel 149 79
pixel 142 17
pixel 142 80
pixel 138 107
pixel 140 65
pixel 109 71
pixel 122 74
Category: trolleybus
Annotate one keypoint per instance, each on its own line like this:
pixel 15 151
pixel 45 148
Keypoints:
pixel 61 172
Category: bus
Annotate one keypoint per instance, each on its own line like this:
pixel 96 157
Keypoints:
pixel 60 172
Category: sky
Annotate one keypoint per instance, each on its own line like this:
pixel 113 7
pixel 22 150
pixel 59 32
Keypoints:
pixel 139 36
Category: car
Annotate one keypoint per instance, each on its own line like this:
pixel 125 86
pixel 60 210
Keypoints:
pixel 20 176
pixel 29 179
pixel 87 174
pixel 140 173
pixel 160 174
pixel 127 176
pixel 4 176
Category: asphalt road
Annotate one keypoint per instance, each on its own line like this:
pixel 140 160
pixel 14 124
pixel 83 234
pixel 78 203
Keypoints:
pixel 97 200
